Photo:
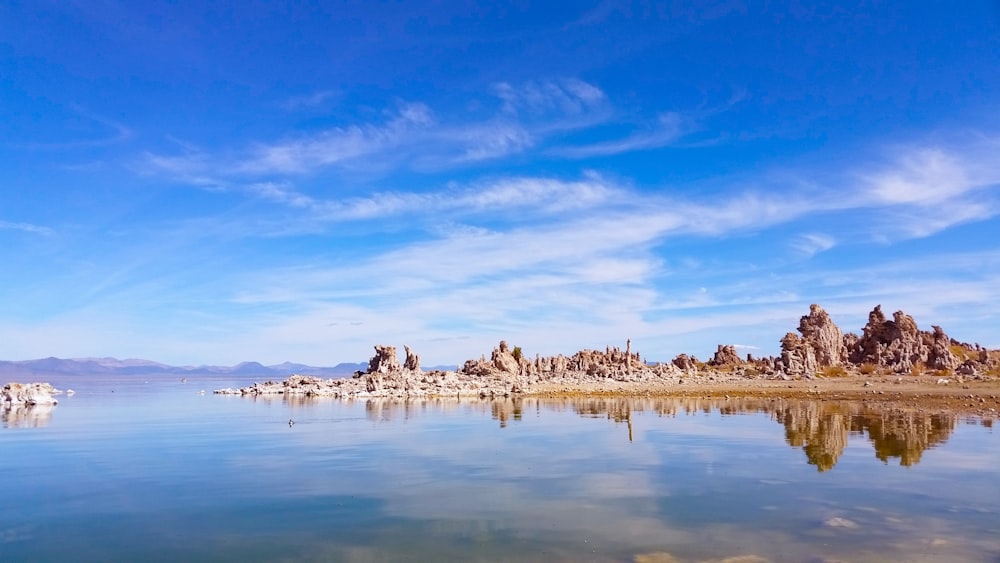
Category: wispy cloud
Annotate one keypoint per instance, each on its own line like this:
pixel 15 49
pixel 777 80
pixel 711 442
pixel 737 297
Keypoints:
pixel 313 100
pixel 929 189
pixel 565 96
pixel 668 128
pixel 922 177
pixel 339 145
pixel 810 244
pixel 532 116
pixel 26 227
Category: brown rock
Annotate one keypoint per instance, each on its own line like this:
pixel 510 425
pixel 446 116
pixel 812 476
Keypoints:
pixel 726 355
pixel 900 345
pixel 821 344
pixel 503 359
pixel 825 337
pixel 412 362
pixel 384 361
pixel 685 362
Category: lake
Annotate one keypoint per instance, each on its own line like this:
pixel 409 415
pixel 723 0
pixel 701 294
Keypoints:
pixel 151 470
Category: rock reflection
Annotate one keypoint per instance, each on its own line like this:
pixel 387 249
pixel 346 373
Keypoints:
pixel 821 429
pixel 18 416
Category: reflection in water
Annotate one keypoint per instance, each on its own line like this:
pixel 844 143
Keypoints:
pixel 20 416
pixel 520 479
pixel 820 428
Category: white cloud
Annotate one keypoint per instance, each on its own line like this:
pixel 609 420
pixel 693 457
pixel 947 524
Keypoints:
pixel 313 100
pixel 923 177
pixel 928 190
pixel 337 145
pixel 566 96
pixel 811 244
pixel 280 193
pixel 668 129
pixel 26 227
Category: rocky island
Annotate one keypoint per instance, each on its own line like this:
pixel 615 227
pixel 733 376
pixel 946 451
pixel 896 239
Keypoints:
pixel 891 360
pixel 27 395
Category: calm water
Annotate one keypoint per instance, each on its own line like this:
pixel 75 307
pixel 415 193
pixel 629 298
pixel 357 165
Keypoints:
pixel 129 469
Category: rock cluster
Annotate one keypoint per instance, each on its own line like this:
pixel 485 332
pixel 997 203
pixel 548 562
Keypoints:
pixel 895 346
pixel 891 346
pixel 27 394
pixel 821 344
pixel 726 356
pixel 899 345
pixel 507 372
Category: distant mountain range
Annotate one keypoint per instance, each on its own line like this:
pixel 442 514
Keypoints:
pixel 114 366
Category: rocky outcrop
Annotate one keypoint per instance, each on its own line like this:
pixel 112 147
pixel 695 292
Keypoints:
pixel 900 346
pixel 503 359
pixel 821 344
pixel 507 372
pixel 823 336
pixel 726 355
pixel 894 345
pixel 685 362
pixel 28 394
pixel 387 378
pixel 412 362
pixel 797 356
pixel 939 354
pixel 385 360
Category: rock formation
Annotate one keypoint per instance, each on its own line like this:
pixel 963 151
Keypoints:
pixel 726 355
pixel 685 362
pixel 28 394
pixel 899 345
pixel 385 360
pixel 412 362
pixel 885 345
pixel 821 344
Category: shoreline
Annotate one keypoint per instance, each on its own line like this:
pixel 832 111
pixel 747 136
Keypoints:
pixel 981 398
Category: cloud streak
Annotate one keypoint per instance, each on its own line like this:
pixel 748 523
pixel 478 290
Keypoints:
pixel 533 116
pixel 26 227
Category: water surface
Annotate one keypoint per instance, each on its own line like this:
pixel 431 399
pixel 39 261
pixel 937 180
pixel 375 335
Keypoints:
pixel 134 469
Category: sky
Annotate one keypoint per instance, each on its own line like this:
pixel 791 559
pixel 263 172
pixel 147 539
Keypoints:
pixel 210 183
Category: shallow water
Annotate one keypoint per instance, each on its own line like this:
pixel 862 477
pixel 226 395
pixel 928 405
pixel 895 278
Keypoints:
pixel 134 469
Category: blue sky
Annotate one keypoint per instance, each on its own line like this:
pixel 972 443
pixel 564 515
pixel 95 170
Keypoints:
pixel 241 181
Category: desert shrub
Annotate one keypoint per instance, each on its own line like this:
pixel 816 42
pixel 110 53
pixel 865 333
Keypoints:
pixel 944 372
pixel 917 369
pixel 962 353
pixel 867 368
pixel 834 371
pixel 517 353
